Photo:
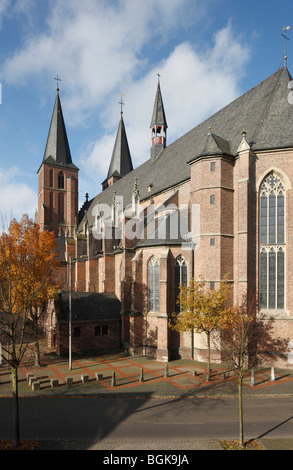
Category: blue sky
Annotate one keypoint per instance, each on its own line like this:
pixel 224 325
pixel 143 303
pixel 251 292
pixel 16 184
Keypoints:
pixel 208 52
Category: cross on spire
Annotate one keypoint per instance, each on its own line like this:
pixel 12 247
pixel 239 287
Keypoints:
pixel 122 104
pixel 159 76
pixel 286 39
pixel 58 80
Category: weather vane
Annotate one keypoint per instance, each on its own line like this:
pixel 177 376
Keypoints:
pixel 286 39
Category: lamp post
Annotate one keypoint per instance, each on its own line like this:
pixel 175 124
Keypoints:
pixel 70 352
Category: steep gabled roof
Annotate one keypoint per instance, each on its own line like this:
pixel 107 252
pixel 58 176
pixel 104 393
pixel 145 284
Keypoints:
pixel 159 116
pixel 121 162
pixel 57 150
pixel 264 113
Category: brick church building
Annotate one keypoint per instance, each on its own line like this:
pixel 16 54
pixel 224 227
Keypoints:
pixel 218 200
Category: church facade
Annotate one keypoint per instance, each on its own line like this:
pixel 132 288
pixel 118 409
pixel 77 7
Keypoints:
pixel 217 201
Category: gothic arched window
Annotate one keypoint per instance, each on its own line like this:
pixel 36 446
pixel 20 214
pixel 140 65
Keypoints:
pixel 61 180
pixel 51 208
pixel 61 207
pixel 51 182
pixel 272 244
pixel 180 277
pixel 153 285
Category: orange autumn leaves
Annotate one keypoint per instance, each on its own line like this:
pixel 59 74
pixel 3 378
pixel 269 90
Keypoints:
pixel 28 265
pixel 202 309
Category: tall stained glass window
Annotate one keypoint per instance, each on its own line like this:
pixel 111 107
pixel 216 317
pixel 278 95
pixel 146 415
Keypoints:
pixel 272 244
pixel 154 285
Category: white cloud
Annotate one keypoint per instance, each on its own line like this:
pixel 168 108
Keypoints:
pixel 16 198
pixel 97 45
pixel 194 86
pixel 4 4
pixel 96 158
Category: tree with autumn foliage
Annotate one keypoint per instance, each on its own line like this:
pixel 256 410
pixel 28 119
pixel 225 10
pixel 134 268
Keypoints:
pixel 247 341
pixel 28 263
pixel 201 310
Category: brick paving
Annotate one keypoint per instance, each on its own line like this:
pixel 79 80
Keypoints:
pixel 183 377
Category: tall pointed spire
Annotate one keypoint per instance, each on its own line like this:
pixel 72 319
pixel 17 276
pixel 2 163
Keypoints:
pixel 58 179
pixel 158 125
pixel 159 116
pixel 57 148
pixel 121 162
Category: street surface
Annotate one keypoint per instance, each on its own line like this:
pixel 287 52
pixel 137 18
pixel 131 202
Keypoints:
pixel 93 419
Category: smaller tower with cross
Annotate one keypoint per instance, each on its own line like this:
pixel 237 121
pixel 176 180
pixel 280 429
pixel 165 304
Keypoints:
pixel 121 162
pixel 158 125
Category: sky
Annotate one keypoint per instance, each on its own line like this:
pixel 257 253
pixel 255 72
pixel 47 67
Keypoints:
pixel 207 52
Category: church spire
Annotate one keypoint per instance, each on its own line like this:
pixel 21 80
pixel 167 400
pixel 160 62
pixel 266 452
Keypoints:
pixel 121 162
pixel 158 125
pixel 57 151
pixel 58 179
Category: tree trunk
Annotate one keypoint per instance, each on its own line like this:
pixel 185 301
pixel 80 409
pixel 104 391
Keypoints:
pixel 37 354
pixel 240 381
pixel 209 357
pixel 37 345
pixel 14 384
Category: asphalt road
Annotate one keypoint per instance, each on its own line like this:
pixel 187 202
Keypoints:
pixel 93 419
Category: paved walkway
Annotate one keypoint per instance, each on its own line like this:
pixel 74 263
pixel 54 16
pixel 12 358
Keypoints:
pixel 139 376
pixel 122 375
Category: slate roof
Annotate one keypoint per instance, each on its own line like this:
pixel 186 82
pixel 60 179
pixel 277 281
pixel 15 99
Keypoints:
pixel 57 151
pixel 88 306
pixel 263 112
pixel 159 116
pixel 121 162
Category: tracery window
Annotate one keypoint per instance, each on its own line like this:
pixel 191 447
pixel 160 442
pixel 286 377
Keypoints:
pixel 272 244
pixel 180 277
pixel 154 285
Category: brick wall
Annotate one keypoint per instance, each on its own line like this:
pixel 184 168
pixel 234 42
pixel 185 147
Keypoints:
pixel 88 341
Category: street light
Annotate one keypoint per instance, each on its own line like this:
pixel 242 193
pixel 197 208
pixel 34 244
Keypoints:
pixel 70 353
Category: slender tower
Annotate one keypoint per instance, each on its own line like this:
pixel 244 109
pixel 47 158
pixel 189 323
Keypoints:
pixel 58 180
pixel 158 125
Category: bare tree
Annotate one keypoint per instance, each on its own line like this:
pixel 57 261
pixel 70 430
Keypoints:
pixel 248 341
